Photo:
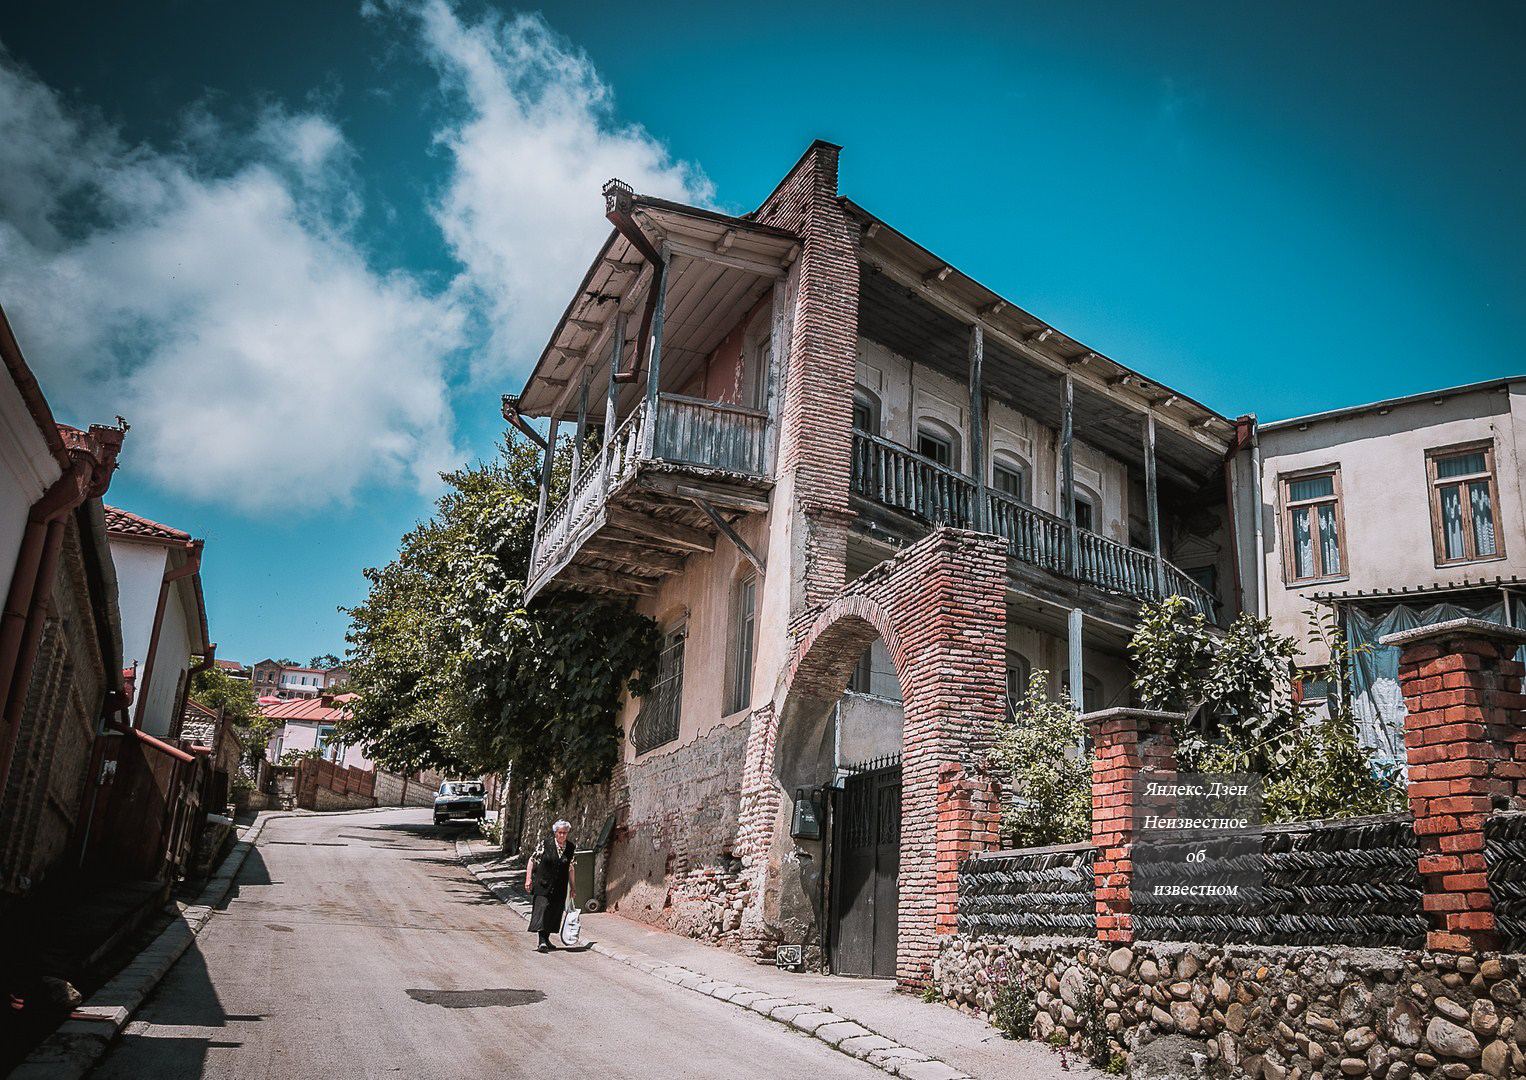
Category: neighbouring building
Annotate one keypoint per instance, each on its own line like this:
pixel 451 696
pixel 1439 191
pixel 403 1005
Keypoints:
pixel 862 495
pixel 1396 514
pixel 275 679
pixel 234 670
pixel 309 724
pixel 164 616
pixel 60 640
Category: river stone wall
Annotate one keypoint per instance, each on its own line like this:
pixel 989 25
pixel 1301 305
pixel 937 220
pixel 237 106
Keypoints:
pixel 1266 1013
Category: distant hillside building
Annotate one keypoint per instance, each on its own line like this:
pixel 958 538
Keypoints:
pixel 285 681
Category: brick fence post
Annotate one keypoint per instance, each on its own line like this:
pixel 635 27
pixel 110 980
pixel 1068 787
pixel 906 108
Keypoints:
pixel 1124 741
pixel 1465 739
pixel 969 822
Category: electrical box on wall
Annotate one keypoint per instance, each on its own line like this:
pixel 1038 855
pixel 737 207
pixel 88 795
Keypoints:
pixel 806 822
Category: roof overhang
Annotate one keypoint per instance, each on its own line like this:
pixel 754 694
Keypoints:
pixel 721 267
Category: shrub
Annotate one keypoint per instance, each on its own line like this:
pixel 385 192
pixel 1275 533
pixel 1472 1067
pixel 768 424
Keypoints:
pixel 1042 752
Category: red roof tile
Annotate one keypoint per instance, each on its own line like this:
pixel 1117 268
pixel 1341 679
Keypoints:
pixel 126 523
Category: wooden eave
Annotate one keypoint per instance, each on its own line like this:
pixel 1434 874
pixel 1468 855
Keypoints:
pixel 720 268
pixel 922 307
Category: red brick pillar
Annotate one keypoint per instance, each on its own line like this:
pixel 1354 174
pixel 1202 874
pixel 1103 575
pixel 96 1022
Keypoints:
pixel 1465 738
pixel 1125 741
pixel 969 822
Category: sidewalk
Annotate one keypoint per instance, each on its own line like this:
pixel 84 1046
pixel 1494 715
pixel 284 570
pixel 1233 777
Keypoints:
pixel 865 1018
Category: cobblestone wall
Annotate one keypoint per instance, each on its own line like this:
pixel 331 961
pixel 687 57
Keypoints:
pixel 1278 1014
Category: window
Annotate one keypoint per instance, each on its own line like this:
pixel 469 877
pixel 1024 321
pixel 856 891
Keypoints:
pixel 1311 689
pixel 657 722
pixel 936 446
pixel 1083 512
pixel 866 411
pixel 1019 671
pixel 1091 691
pixel 743 611
pixel 1463 502
pixel 1010 477
pixel 1312 526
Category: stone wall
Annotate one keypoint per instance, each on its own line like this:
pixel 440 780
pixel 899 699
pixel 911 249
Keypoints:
pixel 420 789
pixel 1272 1013
pixel 675 860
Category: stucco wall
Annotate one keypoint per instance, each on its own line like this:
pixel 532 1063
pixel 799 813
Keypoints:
pixel 1385 497
pixel 27 469
pixel 140 569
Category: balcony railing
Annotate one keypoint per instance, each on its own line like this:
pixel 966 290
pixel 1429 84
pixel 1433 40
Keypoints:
pixel 689 431
pixel 896 477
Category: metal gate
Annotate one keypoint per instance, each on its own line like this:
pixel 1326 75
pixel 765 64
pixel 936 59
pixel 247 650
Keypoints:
pixel 867 843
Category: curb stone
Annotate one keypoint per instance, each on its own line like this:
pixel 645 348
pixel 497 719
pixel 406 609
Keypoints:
pixel 813 1021
pixel 82 1041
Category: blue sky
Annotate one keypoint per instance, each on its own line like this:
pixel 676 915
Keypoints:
pixel 304 247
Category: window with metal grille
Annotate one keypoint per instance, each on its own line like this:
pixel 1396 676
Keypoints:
pixel 1464 498
pixel 657 722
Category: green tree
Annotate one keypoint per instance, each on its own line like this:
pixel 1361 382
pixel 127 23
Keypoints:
pixel 217 690
pixel 1242 712
pixel 1041 751
pixel 454 671
pixel 325 662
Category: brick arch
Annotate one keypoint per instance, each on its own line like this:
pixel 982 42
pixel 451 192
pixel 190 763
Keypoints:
pixel 940 606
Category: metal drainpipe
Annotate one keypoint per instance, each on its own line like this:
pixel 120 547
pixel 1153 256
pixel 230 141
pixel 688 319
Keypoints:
pixel 192 565
pixel 1258 526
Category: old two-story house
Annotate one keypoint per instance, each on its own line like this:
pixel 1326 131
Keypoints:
pixel 862 495
pixel 1396 514
pixel 310 724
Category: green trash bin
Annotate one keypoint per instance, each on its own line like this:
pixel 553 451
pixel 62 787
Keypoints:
pixel 582 879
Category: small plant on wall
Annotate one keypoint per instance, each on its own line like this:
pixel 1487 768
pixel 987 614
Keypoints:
pixel 1041 751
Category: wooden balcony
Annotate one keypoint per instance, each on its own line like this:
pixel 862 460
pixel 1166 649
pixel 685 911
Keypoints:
pixel 932 494
pixel 655 494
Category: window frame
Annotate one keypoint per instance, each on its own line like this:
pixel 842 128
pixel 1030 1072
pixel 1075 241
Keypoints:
pixel 1004 462
pixel 933 431
pixel 1288 507
pixel 660 717
pixel 741 656
pixel 869 402
pixel 1435 484
pixel 1019 673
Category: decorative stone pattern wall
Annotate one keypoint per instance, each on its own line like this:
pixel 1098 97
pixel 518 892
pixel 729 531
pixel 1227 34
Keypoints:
pixel 1029 893
pixel 1276 1014
pixel 1505 851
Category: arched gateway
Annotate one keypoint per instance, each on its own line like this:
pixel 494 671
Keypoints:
pixel 939 606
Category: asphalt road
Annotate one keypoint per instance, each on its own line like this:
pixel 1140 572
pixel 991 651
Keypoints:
pixel 357 946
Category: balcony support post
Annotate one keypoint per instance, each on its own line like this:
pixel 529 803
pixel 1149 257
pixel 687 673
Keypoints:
pixel 654 367
pixel 1068 474
pixel 612 399
pixel 577 443
pixel 548 457
pixel 978 428
pixel 1077 676
pixel 1152 499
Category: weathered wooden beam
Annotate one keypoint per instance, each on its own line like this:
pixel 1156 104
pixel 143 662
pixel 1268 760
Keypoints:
pixel 647 556
pixel 978 427
pixel 654 360
pixel 725 526
pixel 727 239
pixel 936 275
pixel 671 533
pixel 607 580
pixel 1068 471
pixel 736 262
pixel 722 496
pixel 1152 501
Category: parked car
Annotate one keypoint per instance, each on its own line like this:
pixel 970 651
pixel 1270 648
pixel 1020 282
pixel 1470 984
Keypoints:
pixel 460 800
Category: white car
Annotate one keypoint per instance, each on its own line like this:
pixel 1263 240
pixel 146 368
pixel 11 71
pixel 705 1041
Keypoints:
pixel 460 800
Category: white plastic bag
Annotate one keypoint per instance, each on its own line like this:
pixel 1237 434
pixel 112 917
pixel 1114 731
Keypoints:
pixel 571 928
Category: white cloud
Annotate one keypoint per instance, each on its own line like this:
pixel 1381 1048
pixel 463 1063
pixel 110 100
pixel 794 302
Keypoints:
pixel 229 313
pixel 536 141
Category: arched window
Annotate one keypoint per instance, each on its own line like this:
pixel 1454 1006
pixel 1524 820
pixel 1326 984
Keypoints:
pixel 1091 691
pixel 1011 476
pixel 938 442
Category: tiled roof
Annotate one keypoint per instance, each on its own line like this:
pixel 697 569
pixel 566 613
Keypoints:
pixel 310 709
pixel 126 523
pixel 230 665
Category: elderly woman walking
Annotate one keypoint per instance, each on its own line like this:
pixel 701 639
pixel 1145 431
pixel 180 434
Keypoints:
pixel 548 880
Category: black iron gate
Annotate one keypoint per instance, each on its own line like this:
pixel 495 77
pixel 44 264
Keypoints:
pixel 867 843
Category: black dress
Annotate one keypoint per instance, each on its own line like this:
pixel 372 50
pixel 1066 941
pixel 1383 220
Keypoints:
pixel 548 887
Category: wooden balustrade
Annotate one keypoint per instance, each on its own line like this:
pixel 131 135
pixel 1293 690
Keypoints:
pixel 897 477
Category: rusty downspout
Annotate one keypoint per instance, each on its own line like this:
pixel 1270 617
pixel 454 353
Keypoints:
pixel 191 566
pixel 511 414
pixel 619 202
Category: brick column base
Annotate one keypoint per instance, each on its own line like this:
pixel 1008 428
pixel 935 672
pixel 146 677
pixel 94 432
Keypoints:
pixel 1466 746
pixel 1125 741
pixel 969 822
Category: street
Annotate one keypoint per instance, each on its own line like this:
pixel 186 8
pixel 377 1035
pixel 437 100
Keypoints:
pixel 357 946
